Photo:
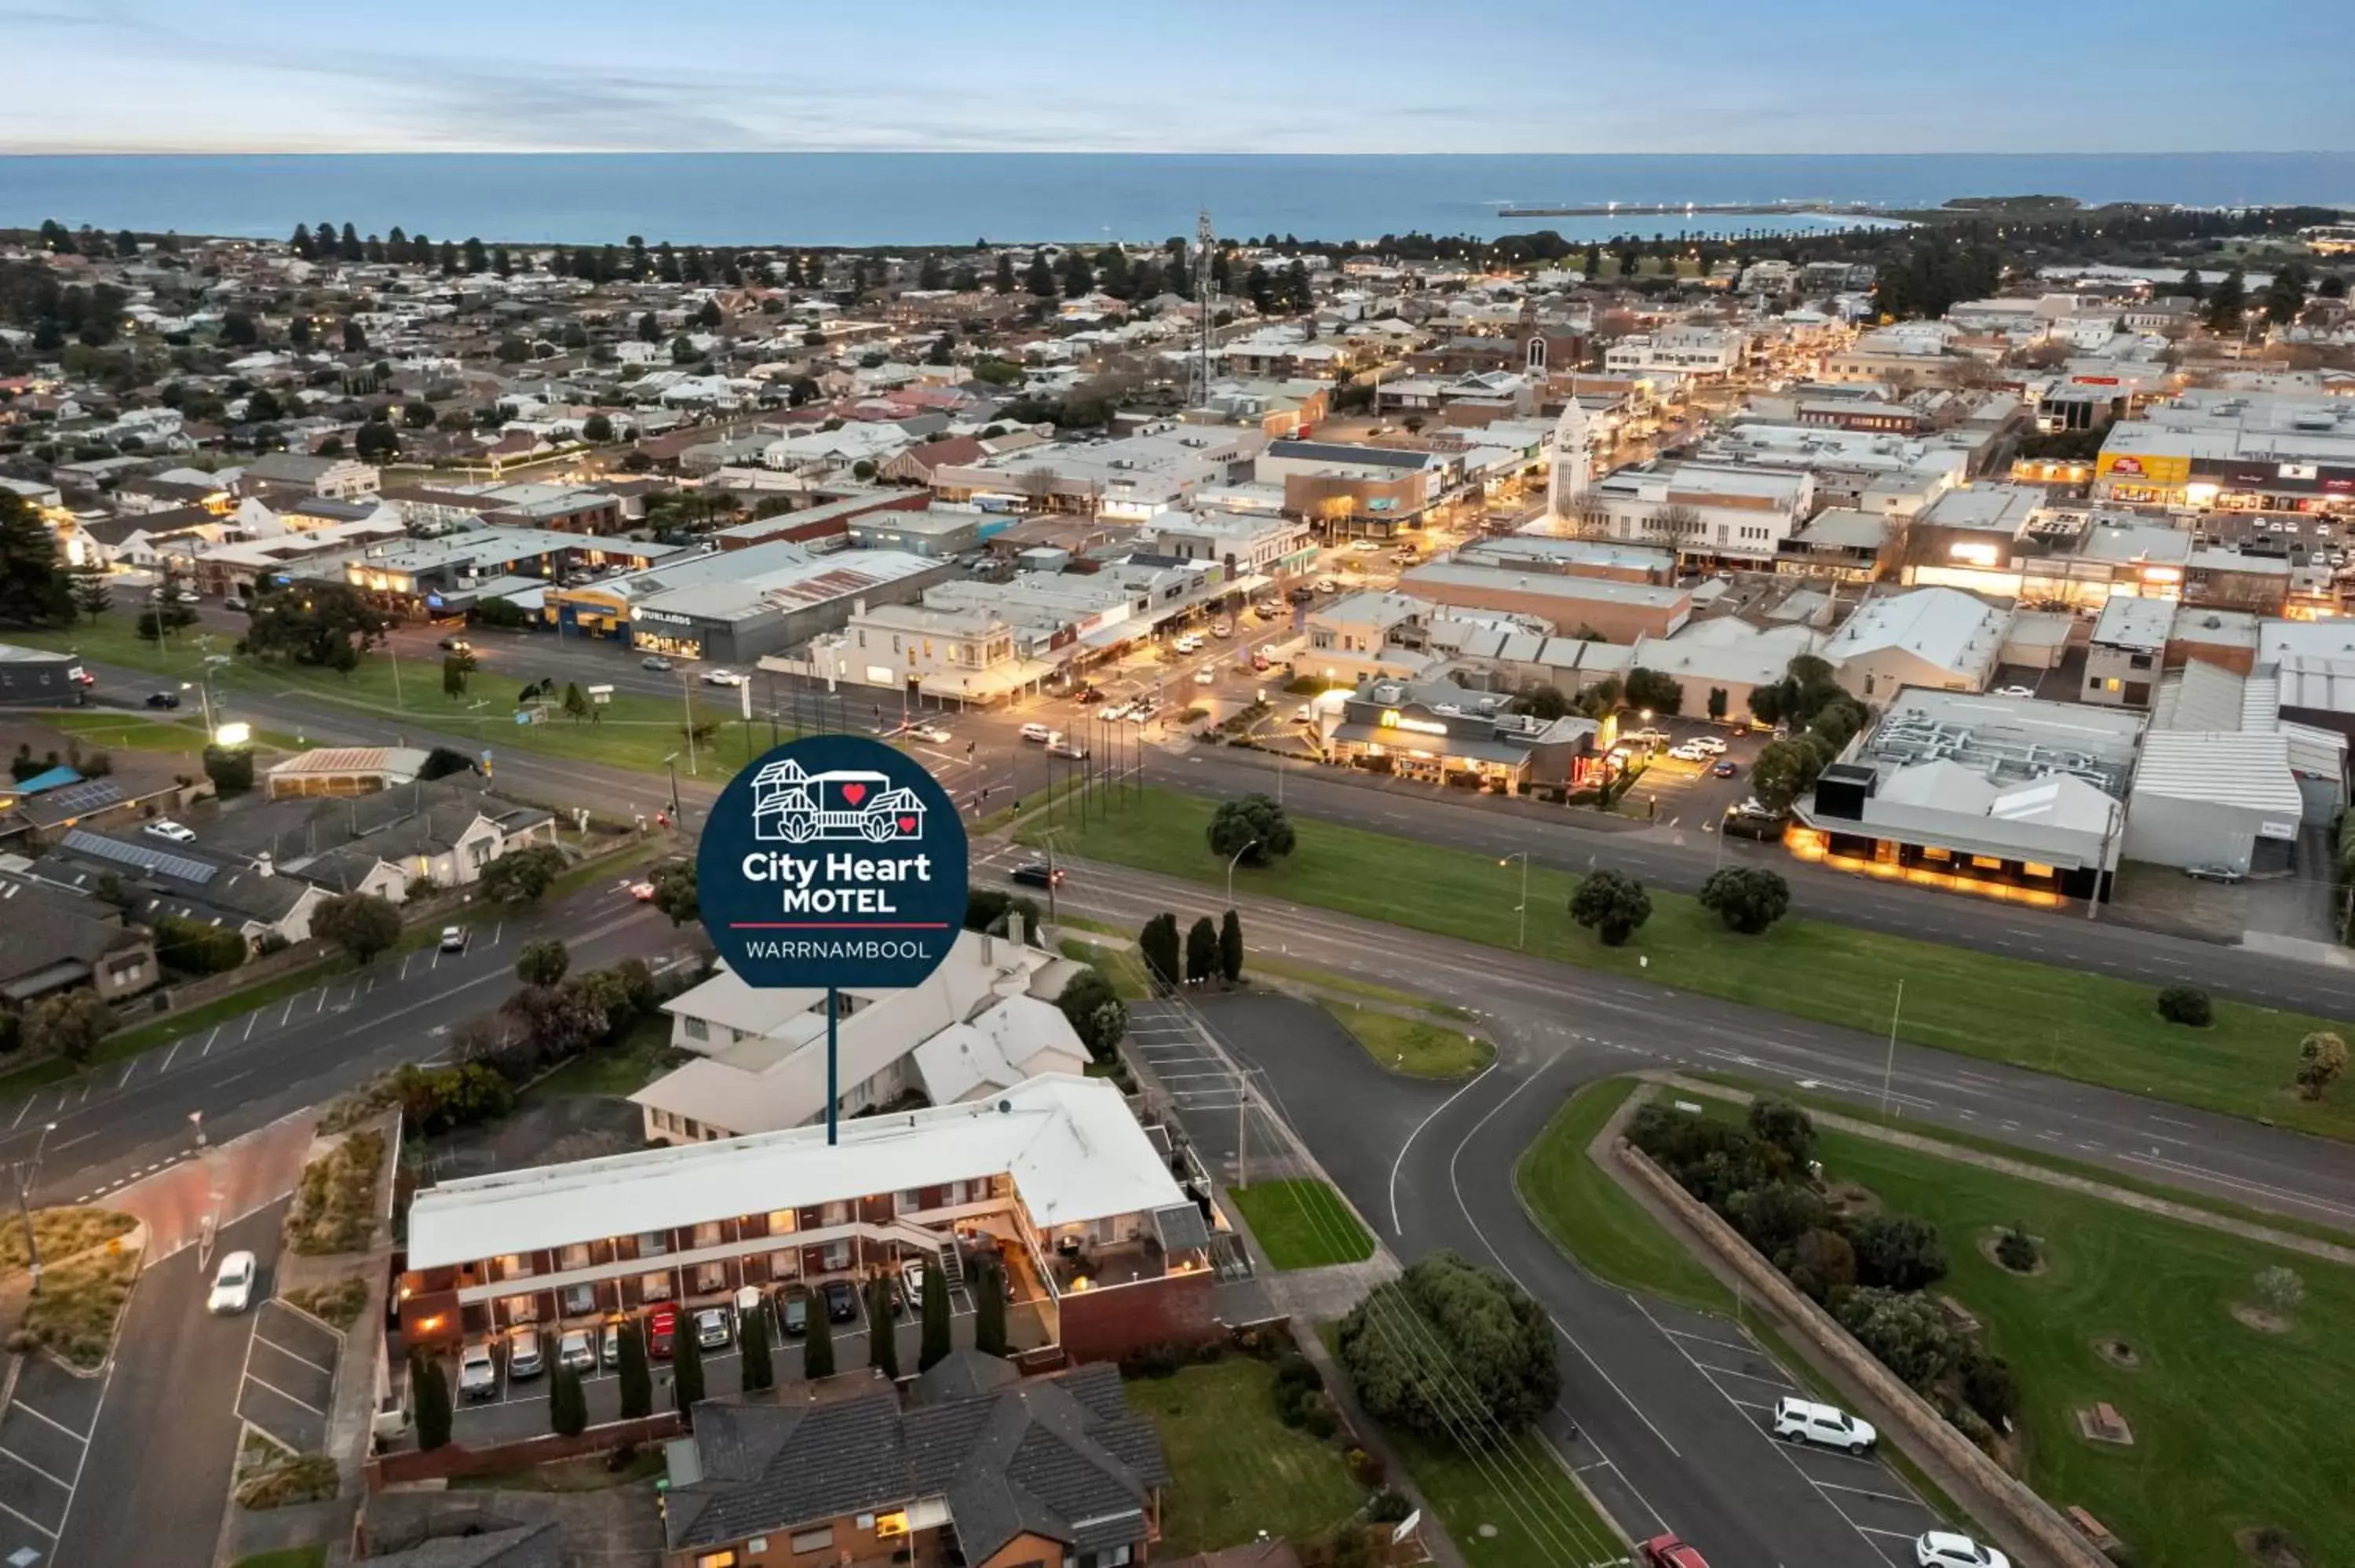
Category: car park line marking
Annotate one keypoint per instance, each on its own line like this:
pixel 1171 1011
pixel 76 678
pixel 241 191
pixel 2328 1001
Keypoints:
pixel 1866 1492
pixel 81 1437
pixel 1704 1339
pixel 292 1355
pixel 251 1019
pixel 265 1382
pixel 287 1017
pixel 12 1513
pixel 168 1057
pixel 21 1111
pixel 59 1481
pixel 1747 1377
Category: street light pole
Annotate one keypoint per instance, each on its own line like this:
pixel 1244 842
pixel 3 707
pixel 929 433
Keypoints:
pixel 1230 870
pixel 1889 1067
pixel 1521 938
pixel 671 762
pixel 28 1172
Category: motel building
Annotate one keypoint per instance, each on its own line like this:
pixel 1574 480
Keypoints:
pixel 1053 1178
pixel 1438 732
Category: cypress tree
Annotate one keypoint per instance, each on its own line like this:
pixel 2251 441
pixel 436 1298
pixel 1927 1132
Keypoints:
pixel 687 1369
pixel 429 1400
pixel 882 1334
pixel 636 1379
pixel 1230 948
pixel 759 1374
pixel 567 1404
pixel 817 1345
pixel 989 1311
pixel 937 1343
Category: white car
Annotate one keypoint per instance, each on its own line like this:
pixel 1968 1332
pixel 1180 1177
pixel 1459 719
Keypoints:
pixel 165 827
pixel 232 1290
pixel 1709 745
pixel 1943 1549
pixel 931 732
pixel 478 1371
pixel 1116 712
pixel 1040 734
pixel 1189 644
pixel 1688 752
pixel 577 1348
pixel 1827 1426
pixel 912 1281
pixel 2014 691
pixel 453 938
pixel 722 678
pixel 1206 677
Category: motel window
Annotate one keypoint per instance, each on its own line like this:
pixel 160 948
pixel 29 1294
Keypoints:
pixel 812 1540
pixel 696 1028
pixel 711 1277
pixel 783 1221
pixel 2033 869
pixel 580 1300
pixel 907 1201
pixel 836 1214
pixel 785 1265
pixel 707 1234
pixel 654 1286
pixel 716 1560
pixel 1986 863
pixel 523 1308
pixel 576 1256
pixel 516 1266
pixel 836 1255
pixel 653 1243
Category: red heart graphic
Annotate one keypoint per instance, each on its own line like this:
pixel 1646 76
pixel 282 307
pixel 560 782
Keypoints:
pixel 907 824
pixel 854 793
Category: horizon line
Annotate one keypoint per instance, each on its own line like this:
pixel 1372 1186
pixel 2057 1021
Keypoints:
pixel 487 152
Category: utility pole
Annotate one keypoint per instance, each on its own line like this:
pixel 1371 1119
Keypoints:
pixel 687 702
pixel 1889 1067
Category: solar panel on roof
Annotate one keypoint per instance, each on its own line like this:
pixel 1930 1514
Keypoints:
pixel 149 860
pixel 86 796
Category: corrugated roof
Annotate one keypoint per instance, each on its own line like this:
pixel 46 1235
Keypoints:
pixel 2232 768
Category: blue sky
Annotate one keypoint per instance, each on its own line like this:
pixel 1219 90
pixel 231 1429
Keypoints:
pixel 1363 76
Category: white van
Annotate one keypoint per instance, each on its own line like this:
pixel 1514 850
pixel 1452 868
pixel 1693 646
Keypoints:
pixel 1041 735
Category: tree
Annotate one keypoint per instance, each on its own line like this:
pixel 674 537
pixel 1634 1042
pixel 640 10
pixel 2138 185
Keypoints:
pixel 675 892
pixel 937 1343
pixel 1785 1128
pixel 1041 279
pixel 325 624
pixel 576 703
pixel 1905 1332
pixel 455 667
pixel 760 1369
pixel 1201 950
pixel 597 427
pixel 2228 303
pixel 542 962
pixel 817 1344
pixel 1451 1352
pixel 2321 1057
pixel 67 1026
pixel 2186 1004
pixel 198 946
pixel 354 337
pixel 882 1333
pixel 1898 1252
pixel 1748 899
pixel 1785 769
pixel 362 924
pixel 567 1403
pixel 1774 1216
pixel 1651 690
pixel 520 876
pixel 1095 1011
pixel 376 441
pixel 1254 828
pixel 2286 295
pixel 2189 286
pixel 1718 703
pixel 429 1401
pixel 635 1378
pixel 93 596
pixel 687 1369
pixel 1159 945
pixel 1612 904
pixel 989 1309
pixel 1230 948
pixel 34 587
pixel 2280 1289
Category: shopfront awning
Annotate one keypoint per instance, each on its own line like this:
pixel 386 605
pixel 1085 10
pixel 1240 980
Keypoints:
pixel 1451 747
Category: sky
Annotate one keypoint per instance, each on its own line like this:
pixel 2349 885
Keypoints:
pixel 1223 75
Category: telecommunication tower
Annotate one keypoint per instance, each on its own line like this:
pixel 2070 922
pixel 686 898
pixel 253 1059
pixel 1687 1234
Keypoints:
pixel 1197 382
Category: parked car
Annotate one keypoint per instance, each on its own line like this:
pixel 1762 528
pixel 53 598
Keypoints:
pixel 711 1330
pixel 931 732
pixel 654 661
pixel 478 1371
pixel 1114 713
pixel 609 1342
pixel 1725 767
pixel 841 1301
pixel 1038 875
pixel 912 1278
pixel 456 645
pixel 163 699
pixel 165 827
pixel 1040 734
pixel 722 678
pixel 1304 714
pixel 1301 595
pixel 1206 677
pixel 577 1348
pixel 1710 744
pixel 1944 1549
pixel 1688 752
pixel 2013 692
pixel 232 1290
pixel 453 938
pixel 1827 1426
pixel 794 1310
pixel 1070 749
pixel 661 1332
pixel 2218 873
pixel 1668 1551
pixel 527 1353
pixel 1645 737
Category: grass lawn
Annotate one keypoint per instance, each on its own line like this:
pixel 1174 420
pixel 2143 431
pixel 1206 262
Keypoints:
pixel 1420 1047
pixel 633 731
pixel 2229 1424
pixel 313 1556
pixel 617 1071
pixel 1236 1468
pixel 1594 1219
pixel 62 1232
pixel 1348 985
pixel 1303 1223
pixel 122 732
pixel 1540 1519
pixel 2079 1025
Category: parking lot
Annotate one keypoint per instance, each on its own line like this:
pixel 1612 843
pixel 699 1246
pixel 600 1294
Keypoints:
pixel 1877 1503
pixel 44 1437
pixel 289 1381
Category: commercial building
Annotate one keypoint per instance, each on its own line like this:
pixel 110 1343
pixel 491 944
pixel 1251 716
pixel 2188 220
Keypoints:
pixel 1127 480
pixel 38 678
pixel 2234 452
pixel 2128 650
pixel 1266 545
pixel 452 572
pixel 1533 551
pixel 979 1467
pixel 825 523
pixel 1723 655
pixel 2224 782
pixel 934 533
pixel 343 478
pixel 1572 606
pixel 1706 513
pixel 1053 1176
pixel 1355 491
pixel 1678 351
pixel 1439 733
pixel 2006 795
pixel 743 619
pixel 1937 637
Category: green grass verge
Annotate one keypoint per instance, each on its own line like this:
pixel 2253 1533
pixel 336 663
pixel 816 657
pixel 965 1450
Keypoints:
pixel 1120 965
pixel 1303 1223
pixel 1598 1222
pixel 1235 1469
pixel 1513 1508
pixel 1419 1047
pixel 2224 1416
pixel 615 1071
pixel 122 732
pixel 1350 985
pixel 2083 1026
pixel 2030 1154
pixel 220 1010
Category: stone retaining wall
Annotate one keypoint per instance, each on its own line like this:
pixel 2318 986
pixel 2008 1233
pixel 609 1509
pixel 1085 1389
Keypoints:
pixel 2026 1520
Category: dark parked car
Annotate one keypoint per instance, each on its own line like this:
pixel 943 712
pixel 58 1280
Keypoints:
pixel 841 1301
pixel 793 1309
pixel 1038 876
pixel 661 1332
pixel 1724 768
pixel 163 699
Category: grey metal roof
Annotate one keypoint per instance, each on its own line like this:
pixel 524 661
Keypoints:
pixel 1181 1228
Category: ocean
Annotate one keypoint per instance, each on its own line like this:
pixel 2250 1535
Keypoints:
pixel 914 198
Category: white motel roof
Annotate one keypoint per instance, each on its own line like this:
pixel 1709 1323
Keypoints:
pixel 1072 1148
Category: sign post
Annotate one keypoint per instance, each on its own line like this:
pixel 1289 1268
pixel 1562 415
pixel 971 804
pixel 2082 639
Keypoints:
pixel 833 860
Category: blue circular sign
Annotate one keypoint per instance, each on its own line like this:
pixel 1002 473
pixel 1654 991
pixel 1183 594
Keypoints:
pixel 833 860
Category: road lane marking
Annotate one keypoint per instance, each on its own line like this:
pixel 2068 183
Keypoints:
pixel 208 1042
pixel 171 1053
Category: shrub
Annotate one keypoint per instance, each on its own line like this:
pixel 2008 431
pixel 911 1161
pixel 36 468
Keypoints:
pixel 2186 1005
pixel 1389 1507
pixel 1612 904
pixel 1898 1252
pixel 2017 1250
pixel 231 768
pixel 1990 1388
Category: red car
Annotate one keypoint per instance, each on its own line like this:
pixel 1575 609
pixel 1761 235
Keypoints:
pixel 1668 1551
pixel 662 1329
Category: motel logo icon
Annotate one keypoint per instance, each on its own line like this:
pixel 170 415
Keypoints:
pixel 791 805
pixel 835 861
